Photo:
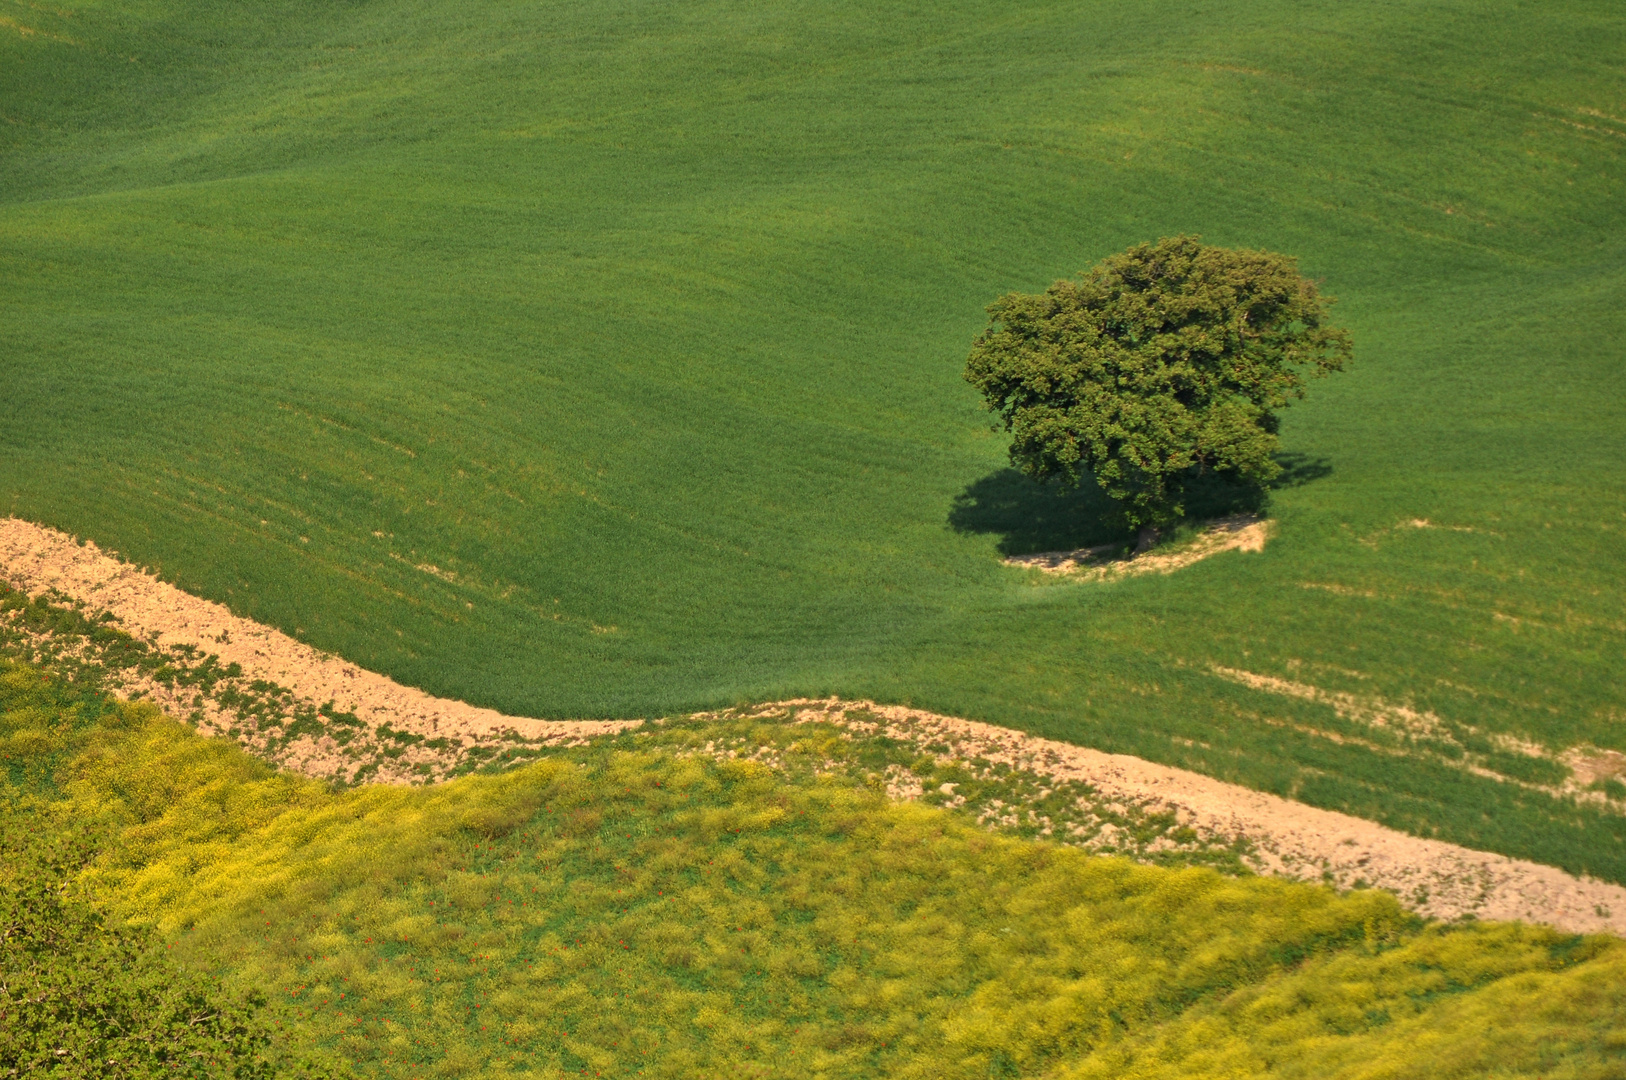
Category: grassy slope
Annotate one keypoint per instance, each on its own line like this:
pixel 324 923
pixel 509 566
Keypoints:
pixel 646 324
pixel 632 911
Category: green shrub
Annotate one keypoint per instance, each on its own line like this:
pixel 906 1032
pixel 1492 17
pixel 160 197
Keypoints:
pixel 82 996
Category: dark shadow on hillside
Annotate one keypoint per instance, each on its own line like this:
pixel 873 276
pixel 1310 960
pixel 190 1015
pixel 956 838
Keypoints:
pixel 1299 469
pixel 1029 516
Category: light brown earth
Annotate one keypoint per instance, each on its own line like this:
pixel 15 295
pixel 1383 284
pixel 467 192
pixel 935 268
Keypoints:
pixel 1241 533
pixel 1287 838
pixel 39 560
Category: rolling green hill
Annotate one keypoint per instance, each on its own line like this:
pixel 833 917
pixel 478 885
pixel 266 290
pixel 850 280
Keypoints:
pixel 629 909
pixel 603 358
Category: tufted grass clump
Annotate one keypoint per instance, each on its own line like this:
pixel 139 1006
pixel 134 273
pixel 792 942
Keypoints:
pixel 658 912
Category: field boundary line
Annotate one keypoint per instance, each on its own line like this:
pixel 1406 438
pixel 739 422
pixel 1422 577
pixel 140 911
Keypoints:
pixel 354 712
pixel 1284 838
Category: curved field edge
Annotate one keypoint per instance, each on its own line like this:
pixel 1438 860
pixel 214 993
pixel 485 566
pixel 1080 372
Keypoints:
pixel 353 317
pixel 634 912
pixel 320 716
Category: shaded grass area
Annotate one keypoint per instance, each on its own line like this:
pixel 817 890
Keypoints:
pixel 630 911
pixel 604 359
pixel 1029 516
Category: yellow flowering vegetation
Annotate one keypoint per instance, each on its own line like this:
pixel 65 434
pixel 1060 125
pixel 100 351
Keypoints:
pixel 624 909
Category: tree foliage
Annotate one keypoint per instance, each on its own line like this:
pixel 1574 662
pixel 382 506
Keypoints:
pixel 84 993
pixel 1161 364
pixel 81 996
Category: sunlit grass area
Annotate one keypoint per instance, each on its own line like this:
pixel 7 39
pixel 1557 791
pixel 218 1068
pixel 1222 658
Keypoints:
pixel 603 359
pixel 626 909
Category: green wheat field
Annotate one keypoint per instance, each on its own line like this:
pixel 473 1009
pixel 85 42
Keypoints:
pixel 603 360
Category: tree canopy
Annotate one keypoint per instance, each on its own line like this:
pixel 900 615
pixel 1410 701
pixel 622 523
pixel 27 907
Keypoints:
pixel 1161 364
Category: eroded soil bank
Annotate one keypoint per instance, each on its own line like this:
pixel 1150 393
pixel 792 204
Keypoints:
pixel 321 716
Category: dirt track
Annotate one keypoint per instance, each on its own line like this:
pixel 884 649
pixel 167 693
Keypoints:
pixel 38 560
pixel 1289 839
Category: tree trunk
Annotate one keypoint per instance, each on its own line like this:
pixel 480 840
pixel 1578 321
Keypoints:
pixel 1147 540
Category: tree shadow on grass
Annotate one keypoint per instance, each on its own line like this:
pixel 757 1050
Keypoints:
pixel 1030 516
pixel 1299 469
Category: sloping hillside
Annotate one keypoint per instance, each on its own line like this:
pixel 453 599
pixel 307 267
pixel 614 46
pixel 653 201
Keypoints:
pixel 602 360
pixel 625 910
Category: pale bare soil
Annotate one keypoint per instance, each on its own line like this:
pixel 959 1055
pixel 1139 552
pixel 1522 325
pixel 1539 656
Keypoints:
pixel 1242 533
pixel 1281 837
pixel 40 560
pixel 1288 839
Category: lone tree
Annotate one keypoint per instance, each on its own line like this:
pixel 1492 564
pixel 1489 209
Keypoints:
pixel 1160 364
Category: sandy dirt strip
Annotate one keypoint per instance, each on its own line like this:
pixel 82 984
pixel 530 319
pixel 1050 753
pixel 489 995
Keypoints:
pixel 40 560
pixel 1288 839
pixel 1245 532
